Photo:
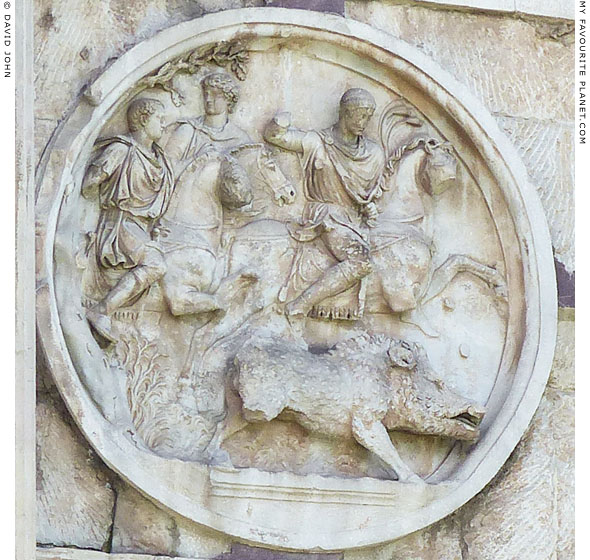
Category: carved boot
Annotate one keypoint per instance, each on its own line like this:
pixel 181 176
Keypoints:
pixel 334 281
pixel 99 316
pixel 101 324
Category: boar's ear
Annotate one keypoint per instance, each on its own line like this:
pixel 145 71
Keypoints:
pixel 419 352
pixel 402 354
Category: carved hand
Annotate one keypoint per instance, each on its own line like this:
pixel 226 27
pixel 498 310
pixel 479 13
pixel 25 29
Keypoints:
pixel 159 231
pixel 277 126
pixel 371 214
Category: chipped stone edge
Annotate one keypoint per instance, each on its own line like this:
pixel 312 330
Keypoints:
pixel 526 210
pixel 552 9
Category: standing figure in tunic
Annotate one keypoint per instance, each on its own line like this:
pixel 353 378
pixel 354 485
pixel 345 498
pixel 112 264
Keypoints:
pixel 134 181
pixel 343 175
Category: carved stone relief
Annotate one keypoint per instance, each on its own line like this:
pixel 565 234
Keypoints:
pixel 289 269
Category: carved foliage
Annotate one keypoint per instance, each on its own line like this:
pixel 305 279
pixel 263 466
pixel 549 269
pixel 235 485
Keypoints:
pixel 231 56
pixel 161 421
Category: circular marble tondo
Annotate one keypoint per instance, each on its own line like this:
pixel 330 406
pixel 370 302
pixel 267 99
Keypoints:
pixel 460 267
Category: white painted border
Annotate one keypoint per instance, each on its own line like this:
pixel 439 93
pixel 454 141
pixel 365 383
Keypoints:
pixel 537 350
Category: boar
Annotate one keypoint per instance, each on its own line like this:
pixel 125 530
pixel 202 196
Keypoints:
pixel 361 388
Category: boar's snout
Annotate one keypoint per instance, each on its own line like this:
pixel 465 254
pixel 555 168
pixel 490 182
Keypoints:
pixel 470 419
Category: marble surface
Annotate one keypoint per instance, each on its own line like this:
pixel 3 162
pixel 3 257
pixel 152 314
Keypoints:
pixel 494 194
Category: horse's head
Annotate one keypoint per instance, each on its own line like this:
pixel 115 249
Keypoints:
pixel 235 190
pixel 439 167
pixel 270 173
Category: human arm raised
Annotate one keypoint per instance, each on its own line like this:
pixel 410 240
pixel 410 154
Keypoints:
pixel 280 133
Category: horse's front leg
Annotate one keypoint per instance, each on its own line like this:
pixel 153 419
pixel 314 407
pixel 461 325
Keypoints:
pixel 240 299
pixel 455 264
pixel 186 280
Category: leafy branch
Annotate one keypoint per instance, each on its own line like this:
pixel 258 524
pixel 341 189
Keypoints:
pixel 231 56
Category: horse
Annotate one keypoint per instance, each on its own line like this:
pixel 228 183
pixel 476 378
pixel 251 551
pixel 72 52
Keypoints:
pixel 417 173
pixel 403 278
pixel 211 190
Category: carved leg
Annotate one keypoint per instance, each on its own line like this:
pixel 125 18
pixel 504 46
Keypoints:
pixel 223 325
pixel 349 248
pixel 231 424
pixel 419 319
pixel 232 285
pixel 335 280
pixel 441 278
pixel 374 437
pixel 129 287
pixel 183 299
pixel 461 263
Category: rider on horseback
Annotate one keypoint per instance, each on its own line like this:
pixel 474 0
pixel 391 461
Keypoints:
pixel 212 131
pixel 193 235
pixel 343 175
pixel 134 182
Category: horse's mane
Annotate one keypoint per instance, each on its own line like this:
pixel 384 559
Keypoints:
pixel 402 130
pixel 428 144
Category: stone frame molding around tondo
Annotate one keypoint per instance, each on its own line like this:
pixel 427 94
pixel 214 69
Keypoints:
pixel 528 356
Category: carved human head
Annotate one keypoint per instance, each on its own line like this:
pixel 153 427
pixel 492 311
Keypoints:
pixel 220 92
pixel 146 113
pixel 235 189
pixel 357 106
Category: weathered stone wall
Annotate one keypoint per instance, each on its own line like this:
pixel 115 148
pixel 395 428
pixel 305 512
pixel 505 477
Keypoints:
pixel 520 68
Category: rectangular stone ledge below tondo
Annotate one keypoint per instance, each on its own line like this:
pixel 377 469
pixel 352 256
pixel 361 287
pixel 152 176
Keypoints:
pixel 238 552
pixel 253 484
pixel 79 554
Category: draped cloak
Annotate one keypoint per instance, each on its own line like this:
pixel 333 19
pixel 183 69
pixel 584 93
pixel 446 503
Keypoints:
pixel 132 199
pixel 339 182
pixel 221 139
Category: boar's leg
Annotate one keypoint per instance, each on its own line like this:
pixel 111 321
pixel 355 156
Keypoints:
pixel 231 424
pixel 373 436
